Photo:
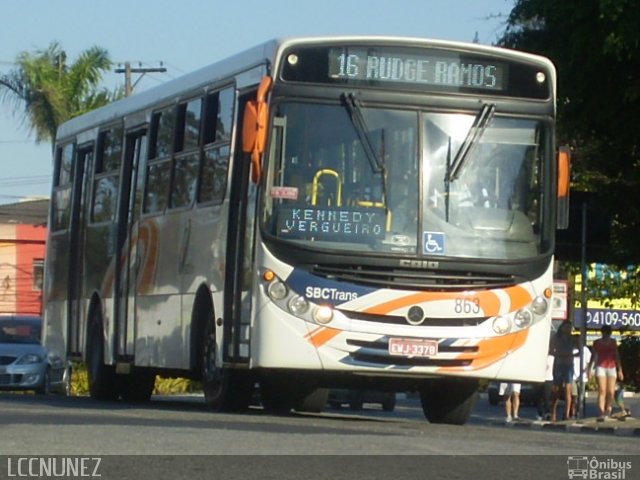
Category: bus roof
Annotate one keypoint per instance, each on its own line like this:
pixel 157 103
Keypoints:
pixel 192 81
pixel 262 54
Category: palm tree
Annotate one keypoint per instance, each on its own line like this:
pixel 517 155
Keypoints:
pixel 51 91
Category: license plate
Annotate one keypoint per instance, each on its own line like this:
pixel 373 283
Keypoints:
pixel 412 347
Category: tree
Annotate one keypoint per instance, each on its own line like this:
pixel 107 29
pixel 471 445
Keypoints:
pixel 595 45
pixel 51 91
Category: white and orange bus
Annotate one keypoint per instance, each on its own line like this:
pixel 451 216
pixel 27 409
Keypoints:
pixel 369 212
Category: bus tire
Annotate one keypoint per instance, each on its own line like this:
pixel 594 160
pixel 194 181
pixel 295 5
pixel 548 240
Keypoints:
pixel 313 402
pixel 224 389
pixel 137 387
pixel 103 381
pixel 448 401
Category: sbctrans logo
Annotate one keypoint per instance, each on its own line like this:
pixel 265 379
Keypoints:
pixel 597 468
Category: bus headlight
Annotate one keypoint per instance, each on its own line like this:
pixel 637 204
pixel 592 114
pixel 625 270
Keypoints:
pixel 501 325
pixel 277 290
pixel 323 314
pixel 523 318
pixel 298 305
pixel 540 305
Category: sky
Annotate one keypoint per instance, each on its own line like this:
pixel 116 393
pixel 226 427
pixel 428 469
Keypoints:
pixel 188 34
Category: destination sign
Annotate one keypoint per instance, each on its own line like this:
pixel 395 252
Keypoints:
pixel 385 65
pixel 332 224
pixel 417 69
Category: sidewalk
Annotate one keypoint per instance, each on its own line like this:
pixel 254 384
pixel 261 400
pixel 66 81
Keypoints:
pixel 627 427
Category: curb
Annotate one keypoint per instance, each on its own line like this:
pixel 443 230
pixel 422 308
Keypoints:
pixel 485 395
pixel 578 427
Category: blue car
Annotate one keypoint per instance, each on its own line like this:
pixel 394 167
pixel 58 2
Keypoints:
pixel 25 363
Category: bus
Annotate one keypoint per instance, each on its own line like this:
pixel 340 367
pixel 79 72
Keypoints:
pixel 348 211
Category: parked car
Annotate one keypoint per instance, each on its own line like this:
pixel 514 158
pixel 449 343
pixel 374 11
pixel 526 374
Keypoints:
pixel 529 393
pixel 355 398
pixel 25 363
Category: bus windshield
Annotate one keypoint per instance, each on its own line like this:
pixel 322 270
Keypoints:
pixel 326 190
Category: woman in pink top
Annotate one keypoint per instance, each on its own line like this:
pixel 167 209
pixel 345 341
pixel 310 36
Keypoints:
pixel 608 369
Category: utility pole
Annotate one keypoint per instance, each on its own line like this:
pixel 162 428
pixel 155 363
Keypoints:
pixel 128 70
pixel 582 399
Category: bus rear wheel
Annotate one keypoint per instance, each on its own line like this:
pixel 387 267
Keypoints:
pixel 448 400
pixel 103 381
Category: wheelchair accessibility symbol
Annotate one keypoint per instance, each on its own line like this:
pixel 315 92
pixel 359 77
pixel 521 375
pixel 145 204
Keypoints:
pixel 433 242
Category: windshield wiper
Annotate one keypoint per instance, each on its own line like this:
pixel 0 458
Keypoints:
pixel 474 134
pixel 447 182
pixel 353 106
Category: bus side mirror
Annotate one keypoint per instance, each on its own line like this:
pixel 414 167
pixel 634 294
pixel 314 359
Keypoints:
pixel 254 127
pixel 564 171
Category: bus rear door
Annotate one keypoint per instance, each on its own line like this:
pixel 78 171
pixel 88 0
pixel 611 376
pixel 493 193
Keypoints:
pixel 79 199
pixel 127 247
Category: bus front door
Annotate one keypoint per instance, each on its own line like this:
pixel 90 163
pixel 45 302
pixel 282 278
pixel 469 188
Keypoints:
pixel 240 246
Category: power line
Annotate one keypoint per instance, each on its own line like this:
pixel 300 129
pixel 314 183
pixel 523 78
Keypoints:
pixel 24 181
pixel 128 70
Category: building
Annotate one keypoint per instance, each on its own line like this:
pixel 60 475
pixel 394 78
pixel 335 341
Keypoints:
pixel 23 234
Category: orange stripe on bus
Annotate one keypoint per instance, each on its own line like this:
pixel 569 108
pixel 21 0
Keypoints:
pixel 520 297
pixel 321 336
pixel 148 239
pixel 489 301
pixel 491 350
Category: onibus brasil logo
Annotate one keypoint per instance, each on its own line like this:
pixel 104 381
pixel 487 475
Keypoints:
pixel 596 468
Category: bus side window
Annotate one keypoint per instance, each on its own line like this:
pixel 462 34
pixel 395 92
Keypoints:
pixel 107 175
pixel 185 173
pixel 216 131
pixel 159 165
pixel 62 187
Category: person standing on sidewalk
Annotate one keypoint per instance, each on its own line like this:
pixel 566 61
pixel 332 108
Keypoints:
pixel 544 392
pixel 511 393
pixel 562 369
pixel 608 369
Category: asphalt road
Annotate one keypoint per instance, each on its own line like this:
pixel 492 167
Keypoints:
pixel 369 443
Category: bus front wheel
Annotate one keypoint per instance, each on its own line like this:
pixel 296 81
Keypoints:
pixel 448 400
pixel 313 402
pixel 224 389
